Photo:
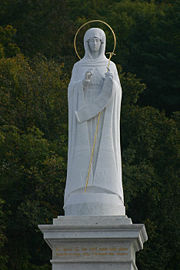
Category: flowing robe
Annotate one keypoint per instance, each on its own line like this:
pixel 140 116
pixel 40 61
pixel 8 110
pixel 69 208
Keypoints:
pixel 104 193
pixel 84 106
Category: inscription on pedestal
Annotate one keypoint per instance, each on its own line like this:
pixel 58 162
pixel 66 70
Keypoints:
pixel 91 251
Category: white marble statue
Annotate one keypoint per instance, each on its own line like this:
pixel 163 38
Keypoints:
pixel 94 89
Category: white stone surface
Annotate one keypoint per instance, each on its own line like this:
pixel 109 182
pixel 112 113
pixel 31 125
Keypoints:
pixel 107 242
pixel 94 266
pixel 92 90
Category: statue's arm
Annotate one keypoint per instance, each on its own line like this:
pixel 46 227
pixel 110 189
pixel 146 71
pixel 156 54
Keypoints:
pixel 88 111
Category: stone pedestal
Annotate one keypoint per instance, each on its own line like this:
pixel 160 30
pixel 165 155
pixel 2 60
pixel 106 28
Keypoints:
pixel 94 243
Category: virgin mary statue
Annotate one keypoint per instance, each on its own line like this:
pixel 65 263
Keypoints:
pixel 92 90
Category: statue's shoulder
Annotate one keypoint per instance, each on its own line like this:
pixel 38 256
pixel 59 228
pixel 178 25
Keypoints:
pixel 77 64
pixel 75 67
pixel 112 64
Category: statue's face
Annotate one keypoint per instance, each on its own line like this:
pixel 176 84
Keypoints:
pixel 94 44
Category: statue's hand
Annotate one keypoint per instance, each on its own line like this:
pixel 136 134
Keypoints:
pixel 109 75
pixel 87 78
pixel 88 75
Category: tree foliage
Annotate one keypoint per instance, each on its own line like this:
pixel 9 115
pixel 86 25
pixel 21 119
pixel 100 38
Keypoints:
pixel 33 153
pixel 8 48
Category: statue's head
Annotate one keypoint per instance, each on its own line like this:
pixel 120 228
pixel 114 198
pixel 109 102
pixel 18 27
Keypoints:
pixel 94 41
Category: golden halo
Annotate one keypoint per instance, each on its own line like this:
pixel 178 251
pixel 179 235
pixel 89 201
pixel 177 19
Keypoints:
pixel 75 37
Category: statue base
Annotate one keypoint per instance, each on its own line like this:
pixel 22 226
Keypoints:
pixel 94 204
pixel 94 243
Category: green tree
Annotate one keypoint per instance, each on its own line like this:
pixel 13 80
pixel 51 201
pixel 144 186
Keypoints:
pixel 35 92
pixel 33 128
pixel 8 47
pixel 3 238
pixel 41 25
pixel 150 144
